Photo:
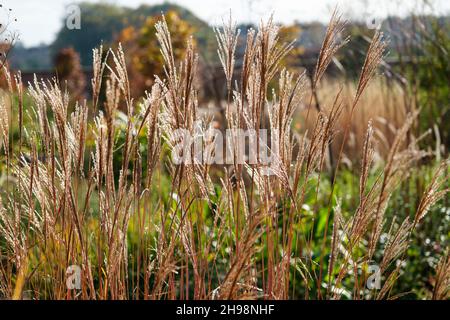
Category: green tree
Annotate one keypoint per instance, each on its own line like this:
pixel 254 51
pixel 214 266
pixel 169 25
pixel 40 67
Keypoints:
pixel 99 23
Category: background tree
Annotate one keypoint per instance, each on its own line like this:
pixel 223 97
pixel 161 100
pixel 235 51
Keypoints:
pixel 70 73
pixel 99 24
pixel 103 22
pixel 8 38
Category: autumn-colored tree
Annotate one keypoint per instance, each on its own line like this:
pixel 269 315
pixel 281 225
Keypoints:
pixel 144 56
pixel 4 65
pixel 70 73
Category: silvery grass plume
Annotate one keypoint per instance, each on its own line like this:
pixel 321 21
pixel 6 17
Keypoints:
pixel 98 68
pixel 373 58
pixel 4 127
pixel 227 39
pixel 434 192
pixel 375 54
pixel 330 46
pixel 441 289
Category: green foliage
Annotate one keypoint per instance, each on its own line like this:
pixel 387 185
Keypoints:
pixel 99 22
pixel 432 75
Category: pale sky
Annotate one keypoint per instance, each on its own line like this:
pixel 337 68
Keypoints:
pixel 39 20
